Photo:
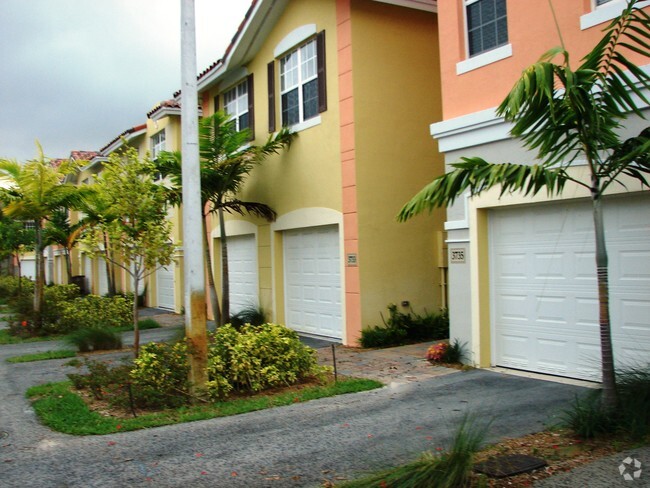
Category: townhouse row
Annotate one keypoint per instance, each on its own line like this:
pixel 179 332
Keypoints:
pixel 383 94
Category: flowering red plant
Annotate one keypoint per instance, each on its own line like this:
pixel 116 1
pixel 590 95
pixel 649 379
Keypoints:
pixel 436 353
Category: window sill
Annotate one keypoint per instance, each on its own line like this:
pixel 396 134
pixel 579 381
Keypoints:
pixel 604 14
pixel 484 59
pixel 307 124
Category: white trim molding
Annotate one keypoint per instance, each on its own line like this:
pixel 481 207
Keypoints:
pixel 294 38
pixel 470 130
pixel 234 228
pixel 426 5
pixel 308 217
pixel 484 59
pixel 605 13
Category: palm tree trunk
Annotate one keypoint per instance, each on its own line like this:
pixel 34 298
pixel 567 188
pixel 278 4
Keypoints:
pixel 40 274
pixel 68 263
pixel 225 282
pixel 212 290
pixel 606 349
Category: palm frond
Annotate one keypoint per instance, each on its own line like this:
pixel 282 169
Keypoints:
pixel 476 176
pixel 255 209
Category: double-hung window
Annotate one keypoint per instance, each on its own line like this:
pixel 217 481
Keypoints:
pixel 299 84
pixel 235 104
pixel 303 87
pixel 157 144
pixel 487 25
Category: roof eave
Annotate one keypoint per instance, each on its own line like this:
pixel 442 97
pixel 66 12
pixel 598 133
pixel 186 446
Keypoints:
pixel 250 38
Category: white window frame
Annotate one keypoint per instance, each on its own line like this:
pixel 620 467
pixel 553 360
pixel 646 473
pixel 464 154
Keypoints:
pixel 158 143
pixel 235 104
pixel 304 61
pixel 483 59
pixel 605 12
pixel 467 3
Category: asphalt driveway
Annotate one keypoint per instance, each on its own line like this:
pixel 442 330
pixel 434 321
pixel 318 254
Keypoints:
pixel 299 445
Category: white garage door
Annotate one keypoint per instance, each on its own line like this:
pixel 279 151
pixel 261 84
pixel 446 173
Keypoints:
pixel 242 272
pixel 544 293
pixel 313 281
pixel 88 272
pixel 165 287
pixel 102 277
pixel 28 268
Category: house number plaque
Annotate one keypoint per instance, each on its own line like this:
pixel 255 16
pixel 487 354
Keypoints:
pixel 457 255
pixel 351 259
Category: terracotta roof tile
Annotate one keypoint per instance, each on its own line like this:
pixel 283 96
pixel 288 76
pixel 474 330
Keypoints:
pixel 123 134
pixel 83 155
pixel 165 104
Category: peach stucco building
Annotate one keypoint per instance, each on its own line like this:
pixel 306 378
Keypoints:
pixel 522 271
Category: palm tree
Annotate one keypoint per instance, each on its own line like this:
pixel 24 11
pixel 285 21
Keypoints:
pixel 226 159
pixel 564 115
pixel 97 212
pixel 59 230
pixel 36 190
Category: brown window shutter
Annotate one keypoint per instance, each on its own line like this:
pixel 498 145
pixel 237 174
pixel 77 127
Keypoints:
pixel 322 82
pixel 271 80
pixel 216 103
pixel 251 106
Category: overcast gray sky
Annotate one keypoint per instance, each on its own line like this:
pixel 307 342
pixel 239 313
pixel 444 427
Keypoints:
pixel 74 74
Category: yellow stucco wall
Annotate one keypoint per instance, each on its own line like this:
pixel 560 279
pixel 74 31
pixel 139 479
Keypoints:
pixel 396 82
pixel 308 175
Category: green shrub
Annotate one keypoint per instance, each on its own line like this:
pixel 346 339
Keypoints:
pixel 382 337
pixel 92 339
pixel 146 324
pixel 633 386
pixel 249 315
pixel 405 328
pixel 11 286
pixel 160 375
pixel 96 312
pixel 55 300
pixel 101 379
pixel 250 360
pixel 258 357
pixel 587 417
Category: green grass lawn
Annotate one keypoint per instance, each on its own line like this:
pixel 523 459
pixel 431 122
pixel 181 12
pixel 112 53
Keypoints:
pixel 7 338
pixel 58 407
pixel 41 356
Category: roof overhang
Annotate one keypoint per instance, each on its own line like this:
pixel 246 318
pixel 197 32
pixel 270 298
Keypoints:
pixel 249 39
pixel 426 5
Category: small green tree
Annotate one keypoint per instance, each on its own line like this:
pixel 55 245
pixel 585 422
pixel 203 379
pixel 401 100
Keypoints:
pixel 139 234
pixel 35 190
pixel 564 115
pixel 15 239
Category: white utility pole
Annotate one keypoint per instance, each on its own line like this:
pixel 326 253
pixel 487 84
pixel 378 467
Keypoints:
pixel 195 304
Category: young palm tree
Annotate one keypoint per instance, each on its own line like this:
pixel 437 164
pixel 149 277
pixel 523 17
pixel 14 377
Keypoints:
pixel 226 160
pixel 564 115
pixel 98 212
pixel 59 230
pixel 36 190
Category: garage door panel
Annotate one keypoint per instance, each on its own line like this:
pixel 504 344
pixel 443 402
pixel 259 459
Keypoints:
pixel 313 281
pixel 633 267
pixel 556 300
pixel 165 285
pixel 243 274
